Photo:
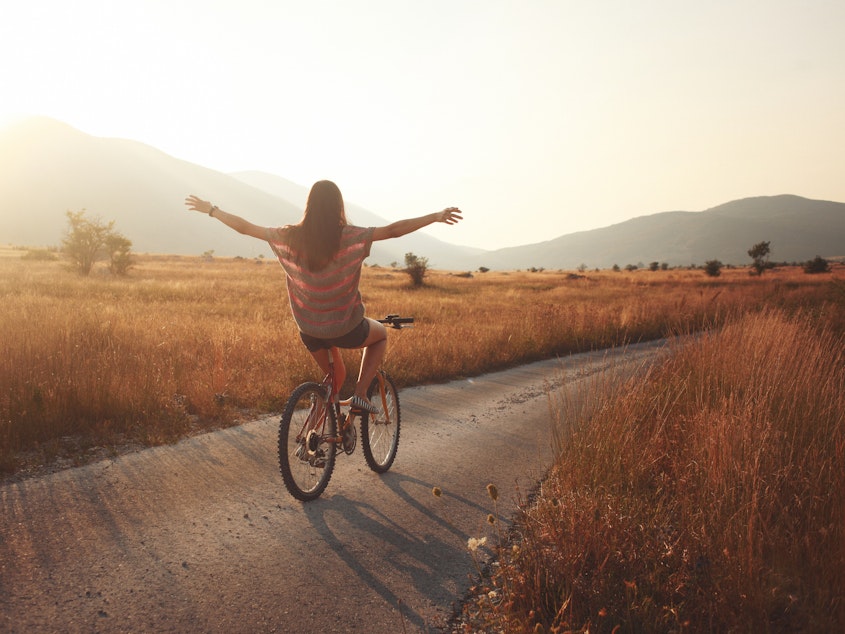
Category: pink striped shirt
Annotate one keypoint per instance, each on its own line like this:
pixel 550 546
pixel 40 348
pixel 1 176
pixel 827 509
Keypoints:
pixel 326 303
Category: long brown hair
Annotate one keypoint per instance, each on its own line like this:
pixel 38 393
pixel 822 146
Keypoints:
pixel 316 239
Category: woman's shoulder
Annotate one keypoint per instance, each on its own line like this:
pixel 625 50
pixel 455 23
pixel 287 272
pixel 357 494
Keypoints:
pixel 354 233
pixel 280 234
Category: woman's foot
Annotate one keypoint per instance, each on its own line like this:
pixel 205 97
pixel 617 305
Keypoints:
pixel 362 404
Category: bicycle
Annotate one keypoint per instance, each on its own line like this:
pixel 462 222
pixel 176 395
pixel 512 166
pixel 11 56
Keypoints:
pixel 315 428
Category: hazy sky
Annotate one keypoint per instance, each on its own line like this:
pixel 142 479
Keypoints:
pixel 538 118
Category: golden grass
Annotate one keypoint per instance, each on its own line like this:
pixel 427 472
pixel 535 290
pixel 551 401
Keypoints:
pixel 709 495
pixel 183 344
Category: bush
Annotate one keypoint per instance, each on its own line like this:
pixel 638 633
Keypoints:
pixel 120 257
pixel 817 265
pixel 713 268
pixel 416 267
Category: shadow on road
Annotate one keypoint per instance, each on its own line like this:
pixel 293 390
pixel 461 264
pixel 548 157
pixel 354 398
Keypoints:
pixel 386 556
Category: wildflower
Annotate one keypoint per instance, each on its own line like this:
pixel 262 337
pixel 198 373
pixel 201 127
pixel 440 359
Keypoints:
pixel 493 492
pixel 436 492
pixel 473 543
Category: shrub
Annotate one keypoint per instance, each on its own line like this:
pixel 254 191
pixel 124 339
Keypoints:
pixel 416 267
pixel 817 265
pixel 120 256
pixel 713 268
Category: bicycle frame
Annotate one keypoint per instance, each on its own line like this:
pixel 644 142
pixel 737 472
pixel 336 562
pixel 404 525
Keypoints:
pixel 344 419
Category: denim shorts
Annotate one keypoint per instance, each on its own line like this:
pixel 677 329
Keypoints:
pixel 355 338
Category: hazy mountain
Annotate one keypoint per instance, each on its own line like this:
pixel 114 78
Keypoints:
pixel 48 168
pixel 798 229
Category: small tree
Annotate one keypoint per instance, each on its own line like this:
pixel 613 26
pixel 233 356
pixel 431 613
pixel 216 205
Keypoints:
pixel 654 266
pixel 713 268
pixel 817 265
pixel 87 240
pixel 759 253
pixel 416 267
pixel 84 240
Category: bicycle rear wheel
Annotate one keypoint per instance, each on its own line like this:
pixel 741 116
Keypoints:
pixel 380 432
pixel 306 456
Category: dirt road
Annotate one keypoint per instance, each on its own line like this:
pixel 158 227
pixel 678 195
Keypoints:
pixel 202 537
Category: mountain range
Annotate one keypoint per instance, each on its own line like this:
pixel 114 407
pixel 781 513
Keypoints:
pixel 48 168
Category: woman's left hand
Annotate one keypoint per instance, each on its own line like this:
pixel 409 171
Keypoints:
pixel 195 203
pixel 450 215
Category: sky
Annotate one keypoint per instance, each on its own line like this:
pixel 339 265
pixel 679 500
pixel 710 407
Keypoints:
pixel 538 118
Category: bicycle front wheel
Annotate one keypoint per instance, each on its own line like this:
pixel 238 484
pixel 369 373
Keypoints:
pixel 306 450
pixel 380 432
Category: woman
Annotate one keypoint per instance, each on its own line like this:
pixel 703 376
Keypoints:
pixel 322 257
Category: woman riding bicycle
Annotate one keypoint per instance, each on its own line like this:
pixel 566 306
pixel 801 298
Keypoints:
pixel 322 256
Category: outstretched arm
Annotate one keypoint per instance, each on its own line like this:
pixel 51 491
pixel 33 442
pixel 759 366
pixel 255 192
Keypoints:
pixel 450 216
pixel 237 223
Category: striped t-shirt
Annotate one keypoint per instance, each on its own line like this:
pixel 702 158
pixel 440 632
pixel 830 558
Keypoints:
pixel 326 303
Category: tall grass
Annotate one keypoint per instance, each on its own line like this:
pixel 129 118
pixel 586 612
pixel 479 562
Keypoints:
pixel 708 496
pixel 183 344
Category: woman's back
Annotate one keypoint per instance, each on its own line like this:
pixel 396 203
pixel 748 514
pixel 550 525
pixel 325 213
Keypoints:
pixel 325 302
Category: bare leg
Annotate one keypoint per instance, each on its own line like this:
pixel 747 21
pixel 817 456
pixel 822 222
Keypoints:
pixel 322 359
pixel 374 348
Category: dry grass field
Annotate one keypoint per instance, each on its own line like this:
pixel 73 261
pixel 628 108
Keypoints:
pixel 185 344
pixel 707 496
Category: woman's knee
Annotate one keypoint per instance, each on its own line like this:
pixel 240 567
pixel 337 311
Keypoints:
pixel 377 333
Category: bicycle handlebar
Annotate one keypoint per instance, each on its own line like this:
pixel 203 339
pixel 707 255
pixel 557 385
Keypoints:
pixel 395 321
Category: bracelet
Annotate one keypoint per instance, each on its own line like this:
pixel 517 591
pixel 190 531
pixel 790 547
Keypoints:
pixel 211 211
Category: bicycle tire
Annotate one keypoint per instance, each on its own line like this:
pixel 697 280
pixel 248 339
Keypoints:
pixel 380 432
pixel 306 465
